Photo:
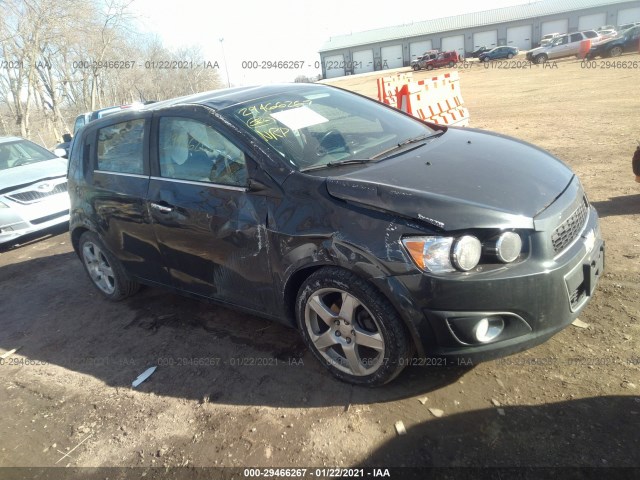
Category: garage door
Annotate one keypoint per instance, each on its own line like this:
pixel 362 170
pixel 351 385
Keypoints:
pixel 485 39
pixel 391 57
pixel 519 37
pixel 455 42
pixel 334 66
pixel 588 22
pixel 418 48
pixel 556 26
pixel 628 15
pixel 363 61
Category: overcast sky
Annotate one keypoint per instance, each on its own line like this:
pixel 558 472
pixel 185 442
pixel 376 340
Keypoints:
pixel 282 29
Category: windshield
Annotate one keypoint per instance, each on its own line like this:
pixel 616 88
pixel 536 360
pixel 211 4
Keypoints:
pixel 314 126
pixel 22 152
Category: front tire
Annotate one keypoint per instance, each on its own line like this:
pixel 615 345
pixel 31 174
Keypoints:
pixel 615 52
pixel 510 56
pixel 105 271
pixel 354 331
pixel 541 59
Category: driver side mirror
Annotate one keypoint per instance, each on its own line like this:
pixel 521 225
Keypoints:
pixel 66 138
pixel 60 152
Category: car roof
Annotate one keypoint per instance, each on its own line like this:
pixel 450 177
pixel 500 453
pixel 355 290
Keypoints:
pixel 226 97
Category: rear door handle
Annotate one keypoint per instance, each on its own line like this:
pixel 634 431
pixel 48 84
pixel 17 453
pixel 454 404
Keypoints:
pixel 162 208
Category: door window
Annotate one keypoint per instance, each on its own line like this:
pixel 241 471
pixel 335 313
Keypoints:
pixel 120 147
pixel 191 150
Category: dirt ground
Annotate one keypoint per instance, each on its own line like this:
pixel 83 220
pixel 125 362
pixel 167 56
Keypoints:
pixel 66 394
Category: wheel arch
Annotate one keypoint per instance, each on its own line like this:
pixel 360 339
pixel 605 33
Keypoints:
pixel 383 285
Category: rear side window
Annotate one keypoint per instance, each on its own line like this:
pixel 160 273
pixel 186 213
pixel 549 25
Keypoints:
pixel 120 147
pixel 576 37
pixel 590 34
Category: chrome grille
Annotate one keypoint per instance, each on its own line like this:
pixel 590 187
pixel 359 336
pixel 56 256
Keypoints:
pixel 568 230
pixel 36 195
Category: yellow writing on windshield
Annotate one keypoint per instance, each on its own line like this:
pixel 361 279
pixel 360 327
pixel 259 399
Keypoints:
pixel 273 133
pixel 268 107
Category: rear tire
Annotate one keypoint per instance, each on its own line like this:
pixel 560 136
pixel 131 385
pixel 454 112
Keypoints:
pixel 351 328
pixel 105 271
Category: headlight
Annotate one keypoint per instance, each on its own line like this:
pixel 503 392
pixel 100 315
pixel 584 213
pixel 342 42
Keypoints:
pixel 466 253
pixel 444 254
pixel 431 253
pixel 506 247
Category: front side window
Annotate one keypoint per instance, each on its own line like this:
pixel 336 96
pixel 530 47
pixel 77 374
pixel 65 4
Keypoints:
pixel 576 37
pixel 315 126
pixel 192 150
pixel 120 147
pixel 561 40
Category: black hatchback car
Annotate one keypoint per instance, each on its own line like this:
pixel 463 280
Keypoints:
pixel 626 41
pixel 378 236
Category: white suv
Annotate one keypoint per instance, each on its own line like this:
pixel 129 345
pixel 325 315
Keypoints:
pixel 562 46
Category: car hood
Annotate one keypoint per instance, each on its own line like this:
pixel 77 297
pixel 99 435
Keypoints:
pixel 24 175
pixel 465 178
pixel 608 41
pixel 538 50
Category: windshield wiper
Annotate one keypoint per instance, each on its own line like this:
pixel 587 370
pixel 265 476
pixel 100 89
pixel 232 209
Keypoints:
pixel 400 145
pixel 352 161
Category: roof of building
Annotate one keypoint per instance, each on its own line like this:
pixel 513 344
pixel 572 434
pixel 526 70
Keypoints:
pixel 467 20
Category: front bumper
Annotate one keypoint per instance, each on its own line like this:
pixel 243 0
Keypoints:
pixel 31 209
pixel 536 299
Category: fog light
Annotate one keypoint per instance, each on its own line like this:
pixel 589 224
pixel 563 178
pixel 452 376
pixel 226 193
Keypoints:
pixel 488 329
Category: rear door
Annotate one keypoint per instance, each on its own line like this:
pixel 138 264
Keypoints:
pixel 574 43
pixel 118 176
pixel 210 229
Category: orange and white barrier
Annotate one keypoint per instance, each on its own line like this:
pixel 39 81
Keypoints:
pixel 436 100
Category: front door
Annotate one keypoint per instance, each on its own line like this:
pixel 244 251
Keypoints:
pixel 210 229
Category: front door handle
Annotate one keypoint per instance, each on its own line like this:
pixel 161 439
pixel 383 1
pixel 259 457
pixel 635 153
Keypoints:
pixel 162 208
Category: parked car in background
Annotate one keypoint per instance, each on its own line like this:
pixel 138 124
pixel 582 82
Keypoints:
pixel 606 34
pixel 566 45
pixel 546 39
pixel 444 59
pixel 84 118
pixel 476 53
pixel 426 56
pixel 316 207
pixel 626 26
pixel 627 41
pixel 499 52
pixel 33 189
